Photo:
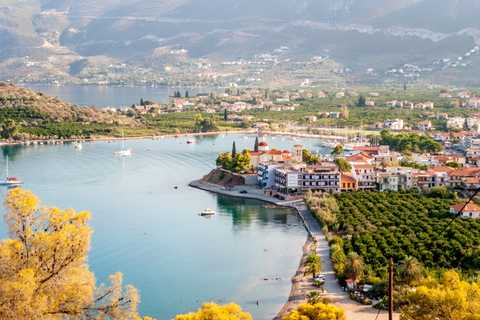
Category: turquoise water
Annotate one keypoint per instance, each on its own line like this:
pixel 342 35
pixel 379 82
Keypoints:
pixel 152 232
pixel 115 96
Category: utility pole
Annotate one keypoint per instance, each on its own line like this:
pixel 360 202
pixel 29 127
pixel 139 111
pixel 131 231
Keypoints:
pixel 390 290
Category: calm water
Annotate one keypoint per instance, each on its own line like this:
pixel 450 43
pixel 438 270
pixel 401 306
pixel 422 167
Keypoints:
pixel 110 96
pixel 152 232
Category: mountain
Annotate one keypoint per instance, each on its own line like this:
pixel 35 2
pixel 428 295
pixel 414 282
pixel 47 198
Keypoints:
pixel 372 39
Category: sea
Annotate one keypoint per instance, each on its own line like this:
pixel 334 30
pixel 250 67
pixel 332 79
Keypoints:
pixel 146 223
pixel 116 96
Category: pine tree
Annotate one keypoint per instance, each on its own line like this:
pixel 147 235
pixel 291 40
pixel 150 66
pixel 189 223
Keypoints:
pixel 234 150
pixel 186 94
pixel 256 144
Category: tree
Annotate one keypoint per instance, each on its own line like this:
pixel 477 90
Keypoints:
pixel 234 149
pixel 361 101
pixel 186 94
pixel 338 150
pixel 309 158
pixel 317 311
pixel 313 265
pixel 141 102
pixel 43 270
pixel 256 145
pixel 384 163
pixel 353 267
pixel 345 112
pixel 409 270
pixel 342 164
pixel 210 311
pixel 9 128
pixel 225 118
pixel 453 164
pixel 449 299
pixel 314 297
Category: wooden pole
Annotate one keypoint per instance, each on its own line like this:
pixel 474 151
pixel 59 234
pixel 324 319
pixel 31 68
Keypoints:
pixel 390 290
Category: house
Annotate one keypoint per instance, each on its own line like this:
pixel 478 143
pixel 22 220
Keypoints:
pixel 259 124
pixel 469 210
pixel 289 108
pixel 370 103
pixel 395 124
pixel 419 106
pixel 364 175
pixel 442 116
pixel 428 104
pixel 474 103
pixel 312 118
pixel 209 110
pixel 347 183
pixel 334 115
pixel 445 95
pixel 320 94
pixel 373 94
pixel 456 122
pixel 264 155
pixel 463 95
pixel 424 125
pixel 339 94
pixel 275 109
pixel 391 103
pixel 377 125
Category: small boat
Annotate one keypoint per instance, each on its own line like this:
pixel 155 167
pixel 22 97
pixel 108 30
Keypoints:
pixel 124 151
pixel 10 181
pixel 190 141
pixel 207 212
pixel 78 146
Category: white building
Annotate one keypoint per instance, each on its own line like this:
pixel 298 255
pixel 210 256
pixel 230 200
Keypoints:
pixel 395 124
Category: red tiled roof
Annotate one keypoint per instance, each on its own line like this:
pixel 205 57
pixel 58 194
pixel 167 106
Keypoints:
pixel 448 170
pixel 363 166
pixel 345 178
pixel 286 151
pixel 366 148
pixel 468 207
pixel 263 144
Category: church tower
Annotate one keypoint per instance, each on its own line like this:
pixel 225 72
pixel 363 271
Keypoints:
pixel 297 153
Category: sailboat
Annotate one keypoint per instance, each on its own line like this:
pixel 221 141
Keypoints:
pixel 124 151
pixel 10 181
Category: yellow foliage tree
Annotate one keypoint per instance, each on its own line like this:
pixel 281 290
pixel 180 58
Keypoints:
pixel 212 311
pixel 318 311
pixel 43 270
pixel 450 299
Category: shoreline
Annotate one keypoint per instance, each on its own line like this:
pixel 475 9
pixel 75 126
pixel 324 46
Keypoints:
pixel 301 285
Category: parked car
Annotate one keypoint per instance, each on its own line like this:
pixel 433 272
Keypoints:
pixel 243 191
pixel 276 196
pixel 281 198
pixel 224 188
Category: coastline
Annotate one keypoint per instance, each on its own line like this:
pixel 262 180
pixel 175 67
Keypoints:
pixel 301 286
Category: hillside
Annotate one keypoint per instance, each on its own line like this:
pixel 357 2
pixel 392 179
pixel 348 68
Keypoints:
pixel 123 41
pixel 30 108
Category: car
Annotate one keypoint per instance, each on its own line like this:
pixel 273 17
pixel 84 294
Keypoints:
pixel 224 188
pixel 281 198
pixel 243 191
pixel 276 196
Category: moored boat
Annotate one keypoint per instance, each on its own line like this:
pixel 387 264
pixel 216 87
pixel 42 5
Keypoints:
pixel 207 212
pixel 9 181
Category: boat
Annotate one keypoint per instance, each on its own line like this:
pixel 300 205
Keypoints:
pixel 207 212
pixel 10 181
pixel 190 141
pixel 124 151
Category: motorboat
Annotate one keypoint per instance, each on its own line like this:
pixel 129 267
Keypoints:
pixel 191 141
pixel 207 212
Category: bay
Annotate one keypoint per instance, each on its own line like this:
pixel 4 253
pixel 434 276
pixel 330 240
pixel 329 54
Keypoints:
pixel 115 96
pixel 152 232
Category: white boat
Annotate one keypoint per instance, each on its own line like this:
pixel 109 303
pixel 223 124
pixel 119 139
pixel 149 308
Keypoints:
pixel 207 212
pixel 124 151
pixel 10 181
pixel 190 141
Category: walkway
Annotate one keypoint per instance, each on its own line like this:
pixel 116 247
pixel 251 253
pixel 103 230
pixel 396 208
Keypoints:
pixel 340 298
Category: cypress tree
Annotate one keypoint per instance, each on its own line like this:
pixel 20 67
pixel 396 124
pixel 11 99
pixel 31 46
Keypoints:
pixel 186 94
pixel 225 115
pixel 256 144
pixel 404 87
pixel 141 101
pixel 238 92
pixel 234 150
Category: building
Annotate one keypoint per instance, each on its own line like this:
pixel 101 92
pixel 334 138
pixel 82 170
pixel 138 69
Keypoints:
pixel 424 125
pixel 455 122
pixel 364 175
pixel 470 210
pixel 395 124
pixel 347 183
pixel 264 155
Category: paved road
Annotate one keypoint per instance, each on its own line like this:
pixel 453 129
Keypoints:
pixel 340 299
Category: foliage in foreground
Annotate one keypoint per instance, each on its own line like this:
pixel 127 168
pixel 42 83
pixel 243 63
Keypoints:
pixel 449 299
pixel 317 311
pixel 43 270
pixel 211 310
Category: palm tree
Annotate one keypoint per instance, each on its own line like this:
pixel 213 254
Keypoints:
pixel 409 270
pixel 353 267
pixel 314 258
pixel 314 297
pixel 313 268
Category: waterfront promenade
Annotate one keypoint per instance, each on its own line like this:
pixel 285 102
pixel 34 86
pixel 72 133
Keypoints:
pixel 301 286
